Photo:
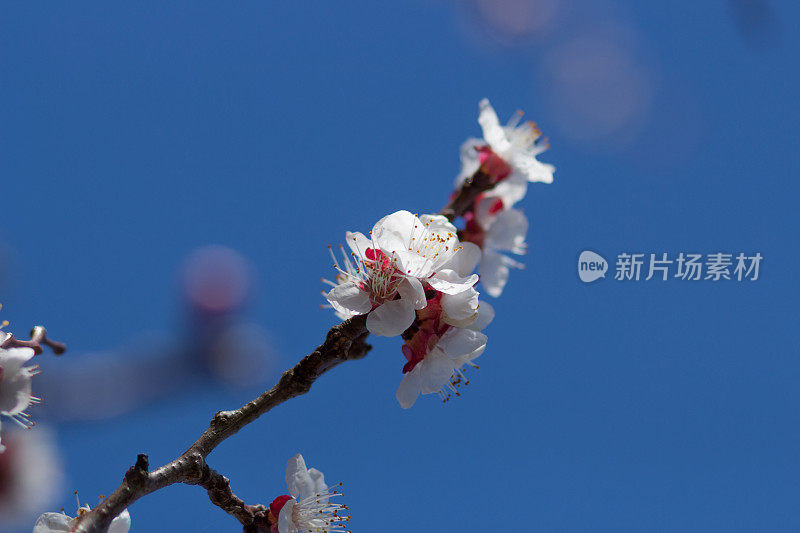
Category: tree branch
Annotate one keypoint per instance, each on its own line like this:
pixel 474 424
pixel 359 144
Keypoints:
pixel 344 342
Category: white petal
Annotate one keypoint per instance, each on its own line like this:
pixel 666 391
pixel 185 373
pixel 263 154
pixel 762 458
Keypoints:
pixel 15 392
pixel 535 170
pixel 285 523
pixel 358 243
pixel 393 232
pixel 349 298
pixel 411 289
pixel 391 318
pixel 52 523
pixel 437 224
pixel 512 189
pixel 297 478
pixel 494 272
pixel 508 231
pixel 470 162
pixel 121 524
pixel 485 316
pixel 436 371
pixel 460 309
pixel 465 260
pixel 492 130
pixel 318 480
pixel 408 391
pixel 459 342
pixel 12 359
pixel 449 282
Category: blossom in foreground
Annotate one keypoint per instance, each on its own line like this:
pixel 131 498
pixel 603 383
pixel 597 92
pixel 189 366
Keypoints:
pixel 444 338
pixel 495 229
pixel 391 270
pixel 31 474
pixel 307 507
pixel 60 522
pixel 15 384
pixel 507 154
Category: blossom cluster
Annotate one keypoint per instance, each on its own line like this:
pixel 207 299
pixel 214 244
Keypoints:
pixel 413 275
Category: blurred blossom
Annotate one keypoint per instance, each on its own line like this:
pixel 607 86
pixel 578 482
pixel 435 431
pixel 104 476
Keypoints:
pixel 509 21
pixel 211 342
pixel 600 92
pixel 31 476
pixel 217 279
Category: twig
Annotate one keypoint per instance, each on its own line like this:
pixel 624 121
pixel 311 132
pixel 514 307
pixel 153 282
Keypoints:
pixel 344 342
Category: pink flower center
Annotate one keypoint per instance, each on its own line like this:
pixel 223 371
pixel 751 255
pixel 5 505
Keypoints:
pixel 492 164
pixel 277 504
pixel 473 232
pixel 430 329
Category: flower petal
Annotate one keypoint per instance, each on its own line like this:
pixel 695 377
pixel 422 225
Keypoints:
pixel 53 522
pixel 358 243
pixel 459 342
pixel 465 260
pixel 492 130
pixel 449 282
pixel 120 524
pixel 12 359
pixel 437 369
pixel 285 523
pixel 391 318
pixel 393 232
pixel 411 289
pixel 297 479
pixel 349 298
pixel 494 272
pixel 409 389
pixel 508 231
pixel 460 309
pixel 485 316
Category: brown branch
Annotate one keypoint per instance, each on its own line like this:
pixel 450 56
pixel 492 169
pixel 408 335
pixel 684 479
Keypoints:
pixel 344 342
pixel 38 338
pixel 475 185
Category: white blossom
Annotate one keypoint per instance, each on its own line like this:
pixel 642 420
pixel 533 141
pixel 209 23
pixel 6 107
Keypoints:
pixel 60 522
pixel 496 230
pixel 508 153
pixel 391 269
pixel 307 508
pixel 15 384
pixel 441 371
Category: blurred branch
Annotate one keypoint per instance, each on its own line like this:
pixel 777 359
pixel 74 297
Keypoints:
pixel 344 342
pixel 473 187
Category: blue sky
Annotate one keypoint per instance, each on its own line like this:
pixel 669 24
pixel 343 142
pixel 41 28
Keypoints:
pixel 134 134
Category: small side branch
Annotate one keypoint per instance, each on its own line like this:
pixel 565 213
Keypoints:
pixel 344 342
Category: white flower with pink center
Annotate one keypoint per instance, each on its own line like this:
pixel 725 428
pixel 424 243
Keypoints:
pixel 497 230
pixel 62 523
pixel 506 153
pixel 307 508
pixel 436 364
pixel 388 272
